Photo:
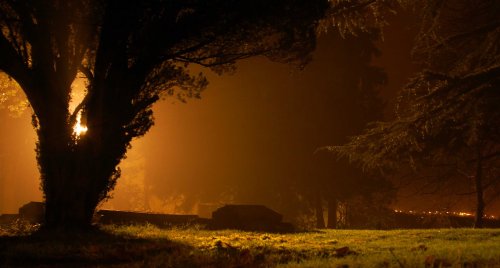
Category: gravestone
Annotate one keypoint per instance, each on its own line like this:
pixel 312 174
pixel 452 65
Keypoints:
pixel 32 212
pixel 249 218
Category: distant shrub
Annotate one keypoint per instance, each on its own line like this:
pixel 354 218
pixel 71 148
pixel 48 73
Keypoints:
pixel 18 227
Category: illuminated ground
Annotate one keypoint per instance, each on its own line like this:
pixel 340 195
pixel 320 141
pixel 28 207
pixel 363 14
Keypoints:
pixel 147 246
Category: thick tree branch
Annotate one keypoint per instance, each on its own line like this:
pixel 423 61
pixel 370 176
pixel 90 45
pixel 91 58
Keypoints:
pixel 12 63
pixel 219 59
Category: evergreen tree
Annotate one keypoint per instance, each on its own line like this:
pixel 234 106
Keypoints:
pixel 448 115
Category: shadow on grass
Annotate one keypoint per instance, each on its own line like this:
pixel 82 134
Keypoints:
pixel 93 248
pixel 99 248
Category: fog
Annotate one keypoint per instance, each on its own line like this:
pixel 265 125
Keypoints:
pixel 249 138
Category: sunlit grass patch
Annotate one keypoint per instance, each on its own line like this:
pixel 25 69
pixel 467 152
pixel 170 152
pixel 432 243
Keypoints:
pixel 149 246
pixel 331 248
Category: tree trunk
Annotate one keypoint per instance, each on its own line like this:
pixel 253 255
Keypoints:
pixel 478 181
pixel 332 213
pixel 77 173
pixel 64 181
pixel 320 220
pixel 69 210
pixel 74 184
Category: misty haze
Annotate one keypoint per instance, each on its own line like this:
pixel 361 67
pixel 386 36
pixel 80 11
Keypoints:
pixel 273 119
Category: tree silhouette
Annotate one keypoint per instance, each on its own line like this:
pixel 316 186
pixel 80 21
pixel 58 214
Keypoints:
pixel 131 53
pixel 448 115
pixel 345 108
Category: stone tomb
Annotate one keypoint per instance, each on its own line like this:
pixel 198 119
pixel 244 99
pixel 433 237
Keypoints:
pixel 249 218
pixel 32 212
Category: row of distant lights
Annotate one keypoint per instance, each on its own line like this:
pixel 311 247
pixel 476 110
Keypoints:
pixel 443 213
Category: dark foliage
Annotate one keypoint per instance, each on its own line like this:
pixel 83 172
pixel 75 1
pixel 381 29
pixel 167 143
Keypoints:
pixel 448 115
pixel 354 92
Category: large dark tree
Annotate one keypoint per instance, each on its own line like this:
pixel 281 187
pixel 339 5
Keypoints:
pixel 131 53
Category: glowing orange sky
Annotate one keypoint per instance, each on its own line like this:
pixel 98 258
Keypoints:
pixel 239 135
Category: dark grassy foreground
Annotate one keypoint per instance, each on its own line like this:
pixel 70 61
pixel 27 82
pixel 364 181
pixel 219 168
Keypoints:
pixel 147 246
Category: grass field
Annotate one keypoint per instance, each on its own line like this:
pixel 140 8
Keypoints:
pixel 148 246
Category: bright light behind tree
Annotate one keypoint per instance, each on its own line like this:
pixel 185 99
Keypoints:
pixel 79 129
pixel 78 91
